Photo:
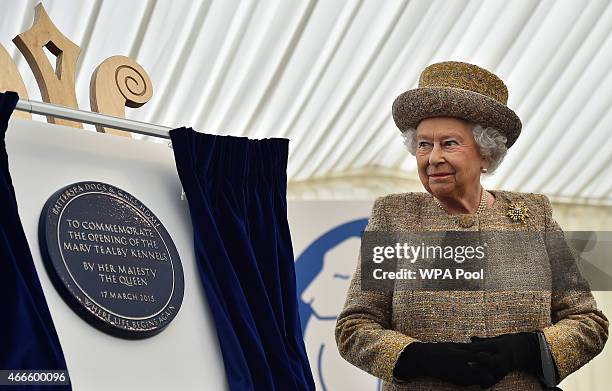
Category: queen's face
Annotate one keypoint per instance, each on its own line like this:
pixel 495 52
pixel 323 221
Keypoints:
pixel 448 158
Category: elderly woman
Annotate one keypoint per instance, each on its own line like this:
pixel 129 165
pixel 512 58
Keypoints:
pixel 458 126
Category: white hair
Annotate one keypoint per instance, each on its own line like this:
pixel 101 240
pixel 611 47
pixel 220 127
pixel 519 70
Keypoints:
pixel 491 144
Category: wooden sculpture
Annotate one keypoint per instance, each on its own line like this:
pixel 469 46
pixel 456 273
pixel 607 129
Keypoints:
pixel 118 82
pixel 10 80
pixel 55 86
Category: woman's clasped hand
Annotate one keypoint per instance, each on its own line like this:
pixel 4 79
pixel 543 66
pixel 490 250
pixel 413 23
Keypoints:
pixel 483 361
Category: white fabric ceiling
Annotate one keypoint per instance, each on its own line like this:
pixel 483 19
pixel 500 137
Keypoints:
pixel 324 74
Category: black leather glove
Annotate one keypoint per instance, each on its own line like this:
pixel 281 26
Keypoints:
pixel 506 353
pixel 452 362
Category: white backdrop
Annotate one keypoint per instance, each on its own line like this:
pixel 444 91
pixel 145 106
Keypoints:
pixel 43 158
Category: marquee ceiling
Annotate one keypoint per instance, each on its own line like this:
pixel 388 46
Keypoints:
pixel 324 74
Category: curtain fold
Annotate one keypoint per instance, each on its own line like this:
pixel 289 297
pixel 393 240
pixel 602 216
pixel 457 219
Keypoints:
pixel 28 339
pixel 236 189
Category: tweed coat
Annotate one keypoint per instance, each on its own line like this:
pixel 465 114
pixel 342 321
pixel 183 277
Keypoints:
pixel 375 327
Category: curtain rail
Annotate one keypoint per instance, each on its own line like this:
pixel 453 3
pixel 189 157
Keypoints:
pixel 89 117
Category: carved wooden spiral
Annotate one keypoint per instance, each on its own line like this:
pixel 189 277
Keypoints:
pixel 118 82
pixel 134 86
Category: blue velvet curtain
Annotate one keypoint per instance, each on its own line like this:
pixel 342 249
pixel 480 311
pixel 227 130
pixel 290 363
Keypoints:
pixel 236 189
pixel 28 339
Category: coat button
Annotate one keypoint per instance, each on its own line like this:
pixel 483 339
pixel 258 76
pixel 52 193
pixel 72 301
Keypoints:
pixel 465 221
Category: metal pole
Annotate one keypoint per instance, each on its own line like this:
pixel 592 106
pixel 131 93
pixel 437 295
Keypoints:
pixel 89 117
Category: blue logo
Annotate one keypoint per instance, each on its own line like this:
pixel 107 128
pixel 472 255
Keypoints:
pixel 324 271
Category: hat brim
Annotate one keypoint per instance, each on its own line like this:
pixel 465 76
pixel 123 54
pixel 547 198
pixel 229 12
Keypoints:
pixel 415 105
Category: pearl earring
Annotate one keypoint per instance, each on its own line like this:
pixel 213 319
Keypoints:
pixel 483 170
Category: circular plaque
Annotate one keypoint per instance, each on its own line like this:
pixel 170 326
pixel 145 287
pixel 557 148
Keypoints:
pixel 111 259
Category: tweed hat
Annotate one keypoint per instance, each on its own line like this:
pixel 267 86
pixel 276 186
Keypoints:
pixel 458 89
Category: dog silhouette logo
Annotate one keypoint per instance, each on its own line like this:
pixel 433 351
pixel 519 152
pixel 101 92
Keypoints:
pixel 324 271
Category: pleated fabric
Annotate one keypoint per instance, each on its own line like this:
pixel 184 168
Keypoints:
pixel 28 339
pixel 237 194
